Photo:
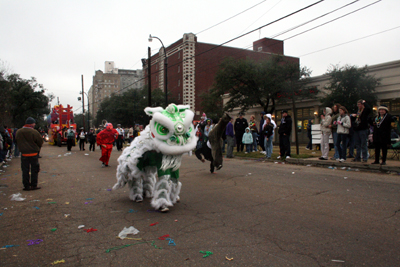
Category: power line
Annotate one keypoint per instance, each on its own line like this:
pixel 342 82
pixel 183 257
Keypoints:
pixel 350 41
pixel 304 23
pixel 270 23
pixel 231 17
pixel 333 20
pixel 260 17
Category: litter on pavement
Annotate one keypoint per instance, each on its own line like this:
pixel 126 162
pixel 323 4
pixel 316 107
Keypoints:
pixel 171 242
pixel 57 262
pixel 206 253
pixel 163 237
pixel 128 231
pixel 10 246
pixel 17 197
pixel 34 242
pixel 90 230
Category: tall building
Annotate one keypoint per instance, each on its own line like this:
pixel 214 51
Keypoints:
pixel 192 66
pixel 131 79
pixel 112 80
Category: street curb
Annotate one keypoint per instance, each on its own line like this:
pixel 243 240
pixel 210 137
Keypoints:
pixel 349 166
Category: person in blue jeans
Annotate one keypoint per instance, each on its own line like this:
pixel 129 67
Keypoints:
pixel 247 140
pixel 268 131
pixel 361 130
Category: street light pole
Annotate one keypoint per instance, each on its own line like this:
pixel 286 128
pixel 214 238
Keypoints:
pixel 83 105
pixel 165 68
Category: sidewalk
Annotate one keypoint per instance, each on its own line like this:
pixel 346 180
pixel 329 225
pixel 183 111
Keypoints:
pixel 391 167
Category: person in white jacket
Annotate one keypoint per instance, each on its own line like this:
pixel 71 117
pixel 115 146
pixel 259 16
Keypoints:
pixel 326 131
pixel 343 123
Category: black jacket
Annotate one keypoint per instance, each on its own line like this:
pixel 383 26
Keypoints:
pixel 91 137
pixel 268 130
pixel 362 122
pixel 286 125
pixel 382 135
pixel 241 125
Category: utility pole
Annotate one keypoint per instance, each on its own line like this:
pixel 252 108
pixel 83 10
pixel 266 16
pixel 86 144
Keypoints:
pixel 83 105
pixel 166 77
pixel 149 75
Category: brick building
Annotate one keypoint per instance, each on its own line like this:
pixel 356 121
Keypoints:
pixel 192 66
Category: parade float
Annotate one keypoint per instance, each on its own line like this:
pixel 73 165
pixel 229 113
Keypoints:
pixel 60 120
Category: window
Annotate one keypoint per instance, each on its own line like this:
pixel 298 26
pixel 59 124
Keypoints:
pixel 179 82
pixel 179 69
pixel 395 106
pixel 156 78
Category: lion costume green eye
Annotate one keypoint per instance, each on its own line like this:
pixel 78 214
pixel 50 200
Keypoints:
pixel 161 130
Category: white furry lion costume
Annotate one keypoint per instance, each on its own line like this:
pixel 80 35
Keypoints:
pixel 158 152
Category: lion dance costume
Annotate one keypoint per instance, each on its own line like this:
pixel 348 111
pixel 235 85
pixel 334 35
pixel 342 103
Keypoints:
pixel 105 140
pixel 157 153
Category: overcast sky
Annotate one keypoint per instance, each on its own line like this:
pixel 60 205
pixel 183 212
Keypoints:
pixel 58 41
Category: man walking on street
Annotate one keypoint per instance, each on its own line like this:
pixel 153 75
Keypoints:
pixel 105 140
pixel 70 138
pixel 284 135
pixel 29 142
pixel 120 138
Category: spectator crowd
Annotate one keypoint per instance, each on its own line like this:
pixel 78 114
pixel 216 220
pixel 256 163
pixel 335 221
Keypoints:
pixel 357 131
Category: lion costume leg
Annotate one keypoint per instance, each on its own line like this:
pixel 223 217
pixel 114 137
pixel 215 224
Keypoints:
pixel 161 198
pixel 149 181
pixel 136 189
pixel 175 190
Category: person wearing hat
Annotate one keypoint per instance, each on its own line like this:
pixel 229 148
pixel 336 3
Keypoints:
pixel 82 139
pixel 240 127
pixel 382 133
pixel 29 143
pixel 70 137
pixel 285 129
pixel 120 138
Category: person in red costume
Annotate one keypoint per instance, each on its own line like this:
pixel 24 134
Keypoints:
pixel 105 140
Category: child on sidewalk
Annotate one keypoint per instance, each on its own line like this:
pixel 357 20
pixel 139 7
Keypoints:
pixel 247 139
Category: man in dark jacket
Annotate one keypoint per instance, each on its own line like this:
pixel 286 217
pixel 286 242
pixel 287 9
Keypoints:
pixel 285 129
pixel 230 139
pixel 29 142
pixel 361 130
pixel 240 127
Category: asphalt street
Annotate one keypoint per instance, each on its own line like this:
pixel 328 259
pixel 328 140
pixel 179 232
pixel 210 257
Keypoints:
pixel 249 213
